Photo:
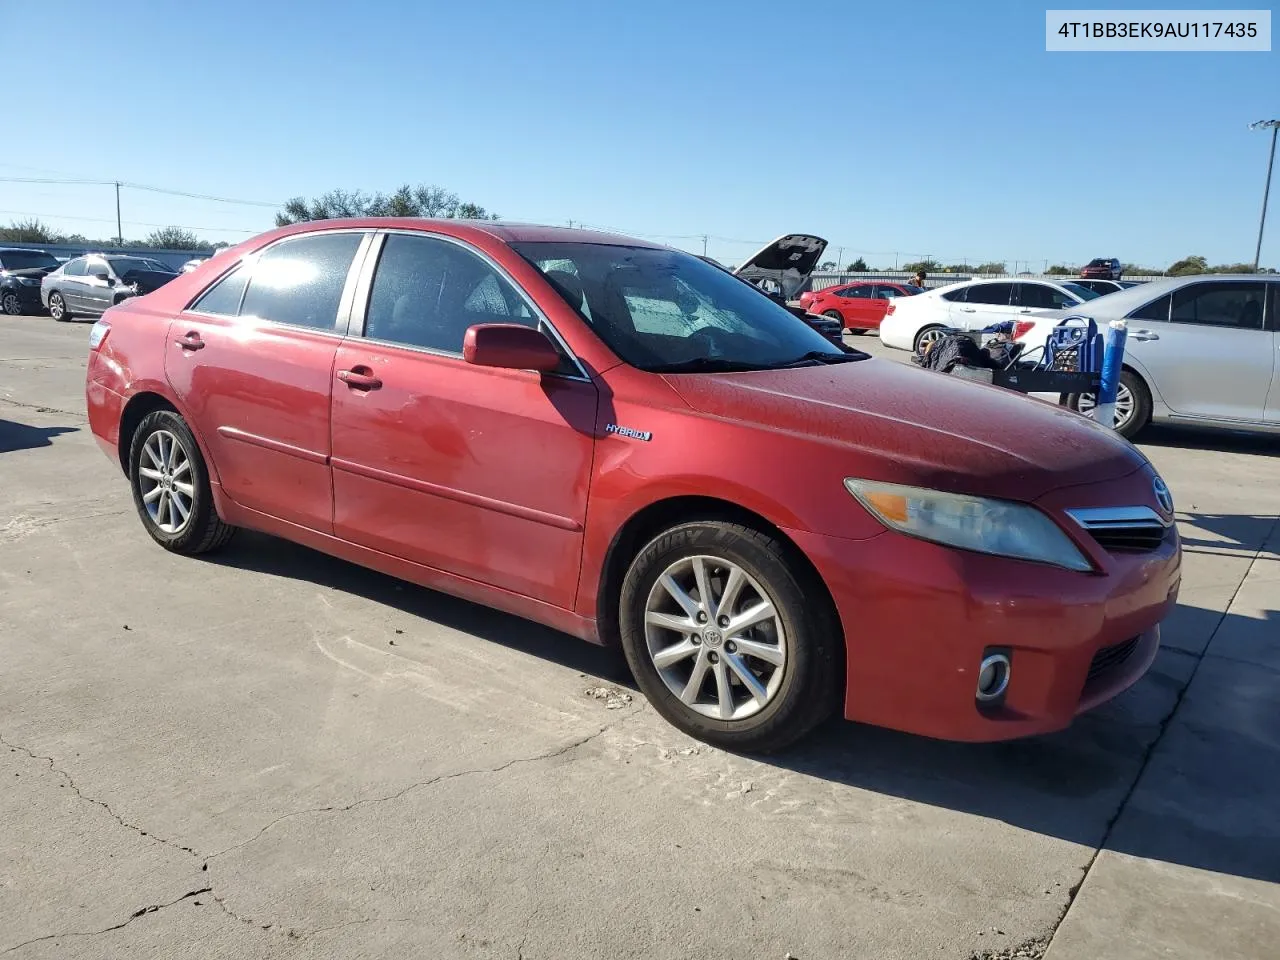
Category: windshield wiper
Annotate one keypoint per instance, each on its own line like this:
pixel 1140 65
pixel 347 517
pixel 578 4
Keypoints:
pixel 821 356
pixel 707 365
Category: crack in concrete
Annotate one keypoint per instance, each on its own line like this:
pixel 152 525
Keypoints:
pixel 19 527
pixel 1165 722
pixel 41 408
pixel 549 755
pixel 53 765
pixel 141 912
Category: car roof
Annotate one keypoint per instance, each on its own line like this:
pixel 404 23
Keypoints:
pixel 1121 302
pixel 503 230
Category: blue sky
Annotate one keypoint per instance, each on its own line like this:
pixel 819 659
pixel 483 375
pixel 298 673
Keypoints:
pixel 931 128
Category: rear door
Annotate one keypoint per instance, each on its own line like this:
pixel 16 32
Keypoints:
pixel 1207 350
pixel 883 295
pixel 99 284
pixel 983 305
pixel 252 362
pixel 858 307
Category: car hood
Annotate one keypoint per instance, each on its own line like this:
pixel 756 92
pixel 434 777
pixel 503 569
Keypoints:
pixel 35 273
pixel 904 425
pixel 786 263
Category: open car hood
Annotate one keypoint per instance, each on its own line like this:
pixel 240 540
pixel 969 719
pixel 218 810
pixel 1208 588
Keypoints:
pixel 783 266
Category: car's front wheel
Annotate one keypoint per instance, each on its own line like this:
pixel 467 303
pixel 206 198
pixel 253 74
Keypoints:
pixel 723 633
pixel 10 304
pixel 171 486
pixel 1133 405
pixel 58 307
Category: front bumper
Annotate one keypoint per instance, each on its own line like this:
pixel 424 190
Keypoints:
pixel 918 618
pixel 28 296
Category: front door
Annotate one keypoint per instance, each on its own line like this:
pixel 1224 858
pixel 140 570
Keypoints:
pixel 99 284
pixel 476 471
pixel 252 362
pixel 1207 350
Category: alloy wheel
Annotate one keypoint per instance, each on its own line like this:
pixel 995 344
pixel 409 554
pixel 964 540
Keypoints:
pixel 56 307
pixel 9 303
pixel 928 337
pixel 715 637
pixel 1124 406
pixel 165 481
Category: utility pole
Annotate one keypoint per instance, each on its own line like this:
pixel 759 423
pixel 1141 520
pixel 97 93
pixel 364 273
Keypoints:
pixel 119 229
pixel 840 261
pixel 704 244
pixel 1274 125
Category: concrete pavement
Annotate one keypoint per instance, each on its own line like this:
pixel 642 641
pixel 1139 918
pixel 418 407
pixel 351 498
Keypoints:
pixel 270 753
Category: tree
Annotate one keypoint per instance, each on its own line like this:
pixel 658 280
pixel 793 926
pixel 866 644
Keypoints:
pixel 1188 266
pixel 928 266
pixel 858 266
pixel 994 266
pixel 175 238
pixel 828 266
pixel 27 231
pixel 1059 268
pixel 423 200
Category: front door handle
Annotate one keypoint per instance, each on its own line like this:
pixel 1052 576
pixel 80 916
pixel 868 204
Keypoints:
pixel 968 309
pixel 1145 335
pixel 359 378
pixel 192 341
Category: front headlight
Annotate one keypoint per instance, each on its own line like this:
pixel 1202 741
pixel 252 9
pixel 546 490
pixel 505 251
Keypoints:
pixel 998 527
pixel 28 281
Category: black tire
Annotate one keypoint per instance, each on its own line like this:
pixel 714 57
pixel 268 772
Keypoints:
pixel 834 315
pixel 203 531
pixel 856 332
pixel 58 308
pixel 1141 394
pixel 922 333
pixel 812 675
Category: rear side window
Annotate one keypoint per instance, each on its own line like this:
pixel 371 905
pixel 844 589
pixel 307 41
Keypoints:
pixel 994 294
pixel 223 298
pixel 955 296
pixel 427 292
pixel 860 292
pixel 885 292
pixel 1224 304
pixel 299 281
pixel 1155 310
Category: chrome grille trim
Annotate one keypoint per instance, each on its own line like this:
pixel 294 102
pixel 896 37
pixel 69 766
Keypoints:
pixel 1126 529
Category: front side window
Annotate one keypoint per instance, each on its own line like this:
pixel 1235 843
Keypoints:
pixel 76 268
pixel 861 292
pixel 97 267
pixel 668 311
pixel 1155 310
pixel 1081 293
pixel 992 294
pixel 1227 303
pixel 299 281
pixel 885 292
pixel 427 292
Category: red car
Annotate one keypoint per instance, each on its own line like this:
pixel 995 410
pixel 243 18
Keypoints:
pixel 859 306
pixel 630 445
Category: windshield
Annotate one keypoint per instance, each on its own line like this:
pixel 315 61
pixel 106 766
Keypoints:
pixel 122 265
pixel 28 260
pixel 666 311
pixel 1084 293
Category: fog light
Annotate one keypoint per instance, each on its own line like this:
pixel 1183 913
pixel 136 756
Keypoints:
pixel 993 677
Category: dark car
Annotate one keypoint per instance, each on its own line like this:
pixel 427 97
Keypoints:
pixel 1102 268
pixel 1098 285
pixel 20 274
pixel 88 286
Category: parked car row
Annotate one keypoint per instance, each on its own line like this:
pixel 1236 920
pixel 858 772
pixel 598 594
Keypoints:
pixel 34 281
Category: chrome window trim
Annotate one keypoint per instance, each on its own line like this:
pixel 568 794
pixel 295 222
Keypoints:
pixel 249 261
pixel 1104 518
pixel 360 306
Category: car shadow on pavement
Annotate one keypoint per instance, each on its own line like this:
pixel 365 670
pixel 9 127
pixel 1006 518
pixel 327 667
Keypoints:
pixel 1220 441
pixel 1238 532
pixel 1070 785
pixel 21 436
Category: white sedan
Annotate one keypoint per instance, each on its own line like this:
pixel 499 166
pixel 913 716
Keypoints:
pixel 911 322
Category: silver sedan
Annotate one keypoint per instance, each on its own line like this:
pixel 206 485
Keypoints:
pixel 1201 351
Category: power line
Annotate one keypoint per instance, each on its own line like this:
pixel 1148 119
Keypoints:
pixel 132 223
pixel 69 181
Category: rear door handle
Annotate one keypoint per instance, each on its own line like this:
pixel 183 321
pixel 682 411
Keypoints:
pixel 968 309
pixel 192 341
pixel 1145 335
pixel 359 378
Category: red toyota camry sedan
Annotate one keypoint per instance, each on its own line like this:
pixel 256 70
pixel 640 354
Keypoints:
pixel 628 444
pixel 859 306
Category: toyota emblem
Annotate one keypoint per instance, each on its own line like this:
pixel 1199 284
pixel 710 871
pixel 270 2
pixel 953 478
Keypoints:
pixel 1163 496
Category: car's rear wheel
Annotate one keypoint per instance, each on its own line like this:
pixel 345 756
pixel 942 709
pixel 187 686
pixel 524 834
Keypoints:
pixel 856 331
pixel 58 307
pixel 928 335
pixel 171 486
pixel 10 304
pixel 725 638
pixel 1133 405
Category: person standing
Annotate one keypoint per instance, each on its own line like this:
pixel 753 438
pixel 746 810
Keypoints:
pixel 918 279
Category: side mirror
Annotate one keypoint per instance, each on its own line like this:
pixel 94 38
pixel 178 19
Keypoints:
pixel 511 346
pixel 102 275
